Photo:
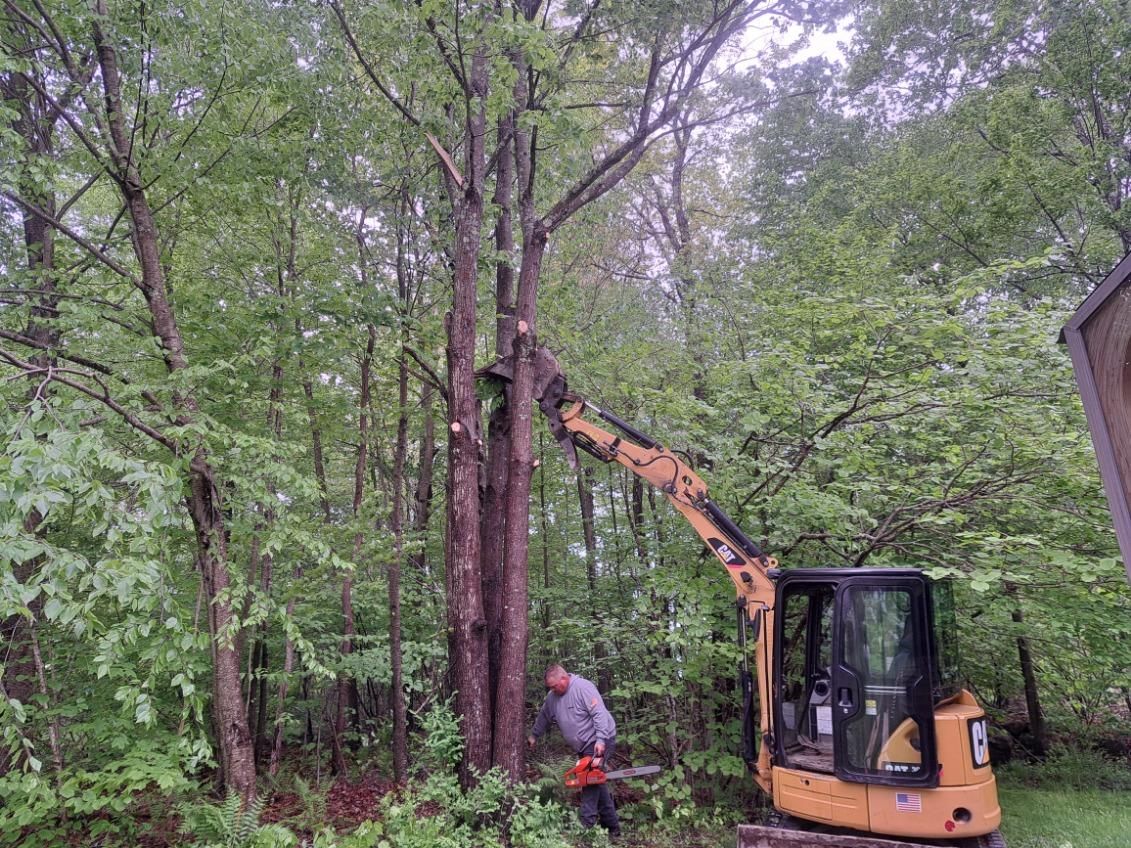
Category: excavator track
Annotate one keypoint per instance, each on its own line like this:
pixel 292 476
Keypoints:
pixel 758 836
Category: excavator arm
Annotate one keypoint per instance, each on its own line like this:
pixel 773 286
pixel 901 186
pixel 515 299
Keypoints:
pixel 745 563
pixel 571 420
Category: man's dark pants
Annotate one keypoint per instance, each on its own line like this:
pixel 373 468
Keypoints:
pixel 597 801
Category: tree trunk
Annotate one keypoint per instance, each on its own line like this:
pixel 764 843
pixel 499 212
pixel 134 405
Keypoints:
pixel 396 522
pixel 585 499
pixel 510 697
pixel 296 576
pixel 635 513
pixel 349 627
pixel 544 527
pixel 422 498
pixel 237 756
pixel 236 752
pixel 276 757
pixel 35 125
pixel 465 600
pixel 1029 675
pixel 253 559
pixel 492 520
pixel 45 693
pixel 257 681
pixel 316 443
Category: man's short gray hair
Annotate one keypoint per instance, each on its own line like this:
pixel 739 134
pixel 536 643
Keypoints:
pixel 553 672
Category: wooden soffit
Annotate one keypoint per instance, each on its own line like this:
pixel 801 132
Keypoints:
pixel 1099 340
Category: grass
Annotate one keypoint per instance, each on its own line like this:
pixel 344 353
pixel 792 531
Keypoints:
pixel 1057 818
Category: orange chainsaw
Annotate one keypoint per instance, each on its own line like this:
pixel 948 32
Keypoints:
pixel 587 772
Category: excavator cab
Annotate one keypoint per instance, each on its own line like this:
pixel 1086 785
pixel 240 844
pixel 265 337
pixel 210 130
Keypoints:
pixel 871 729
pixel 858 659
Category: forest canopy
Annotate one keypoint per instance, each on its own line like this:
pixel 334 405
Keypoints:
pixel 258 516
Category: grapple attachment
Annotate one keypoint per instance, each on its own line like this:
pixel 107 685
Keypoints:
pixel 549 390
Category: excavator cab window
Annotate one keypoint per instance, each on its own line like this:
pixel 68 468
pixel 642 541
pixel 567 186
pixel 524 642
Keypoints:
pixel 855 680
pixel 805 727
pixel 944 627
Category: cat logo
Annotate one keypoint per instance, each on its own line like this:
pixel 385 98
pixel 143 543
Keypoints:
pixel 726 554
pixel 979 742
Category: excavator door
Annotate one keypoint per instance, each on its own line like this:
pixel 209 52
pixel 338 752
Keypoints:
pixel 882 702
pixel 853 675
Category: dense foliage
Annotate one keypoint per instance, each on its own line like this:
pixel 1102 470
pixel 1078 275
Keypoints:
pixel 835 283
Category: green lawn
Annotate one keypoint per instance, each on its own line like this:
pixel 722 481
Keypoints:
pixel 1044 818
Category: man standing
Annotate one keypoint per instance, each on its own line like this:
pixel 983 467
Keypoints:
pixel 575 704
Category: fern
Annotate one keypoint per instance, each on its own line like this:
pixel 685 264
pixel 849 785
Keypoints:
pixel 230 824
pixel 313 805
pixel 246 824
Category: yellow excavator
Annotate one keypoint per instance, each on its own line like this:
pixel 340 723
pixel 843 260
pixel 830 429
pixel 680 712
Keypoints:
pixel 864 737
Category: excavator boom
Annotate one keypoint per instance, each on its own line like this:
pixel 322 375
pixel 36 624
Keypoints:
pixel 565 415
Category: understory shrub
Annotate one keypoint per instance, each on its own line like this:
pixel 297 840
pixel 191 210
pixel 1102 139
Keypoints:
pixel 1069 768
pixel 232 825
pixel 432 812
pixel 40 808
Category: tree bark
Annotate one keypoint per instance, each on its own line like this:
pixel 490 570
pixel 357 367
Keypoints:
pixel 422 506
pixel 276 756
pixel 422 498
pixel 316 444
pixel 396 522
pixel 1028 673
pixel 349 627
pixel 45 693
pixel 296 576
pixel 510 697
pixel 588 528
pixel 203 499
pixel 257 682
pixel 34 124
pixel 544 526
pixel 498 429
pixel 635 515
pixel 465 599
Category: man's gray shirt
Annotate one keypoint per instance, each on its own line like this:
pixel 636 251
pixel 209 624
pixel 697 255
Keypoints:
pixel 580 714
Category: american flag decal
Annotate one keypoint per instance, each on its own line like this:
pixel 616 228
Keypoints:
pixel 908 802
